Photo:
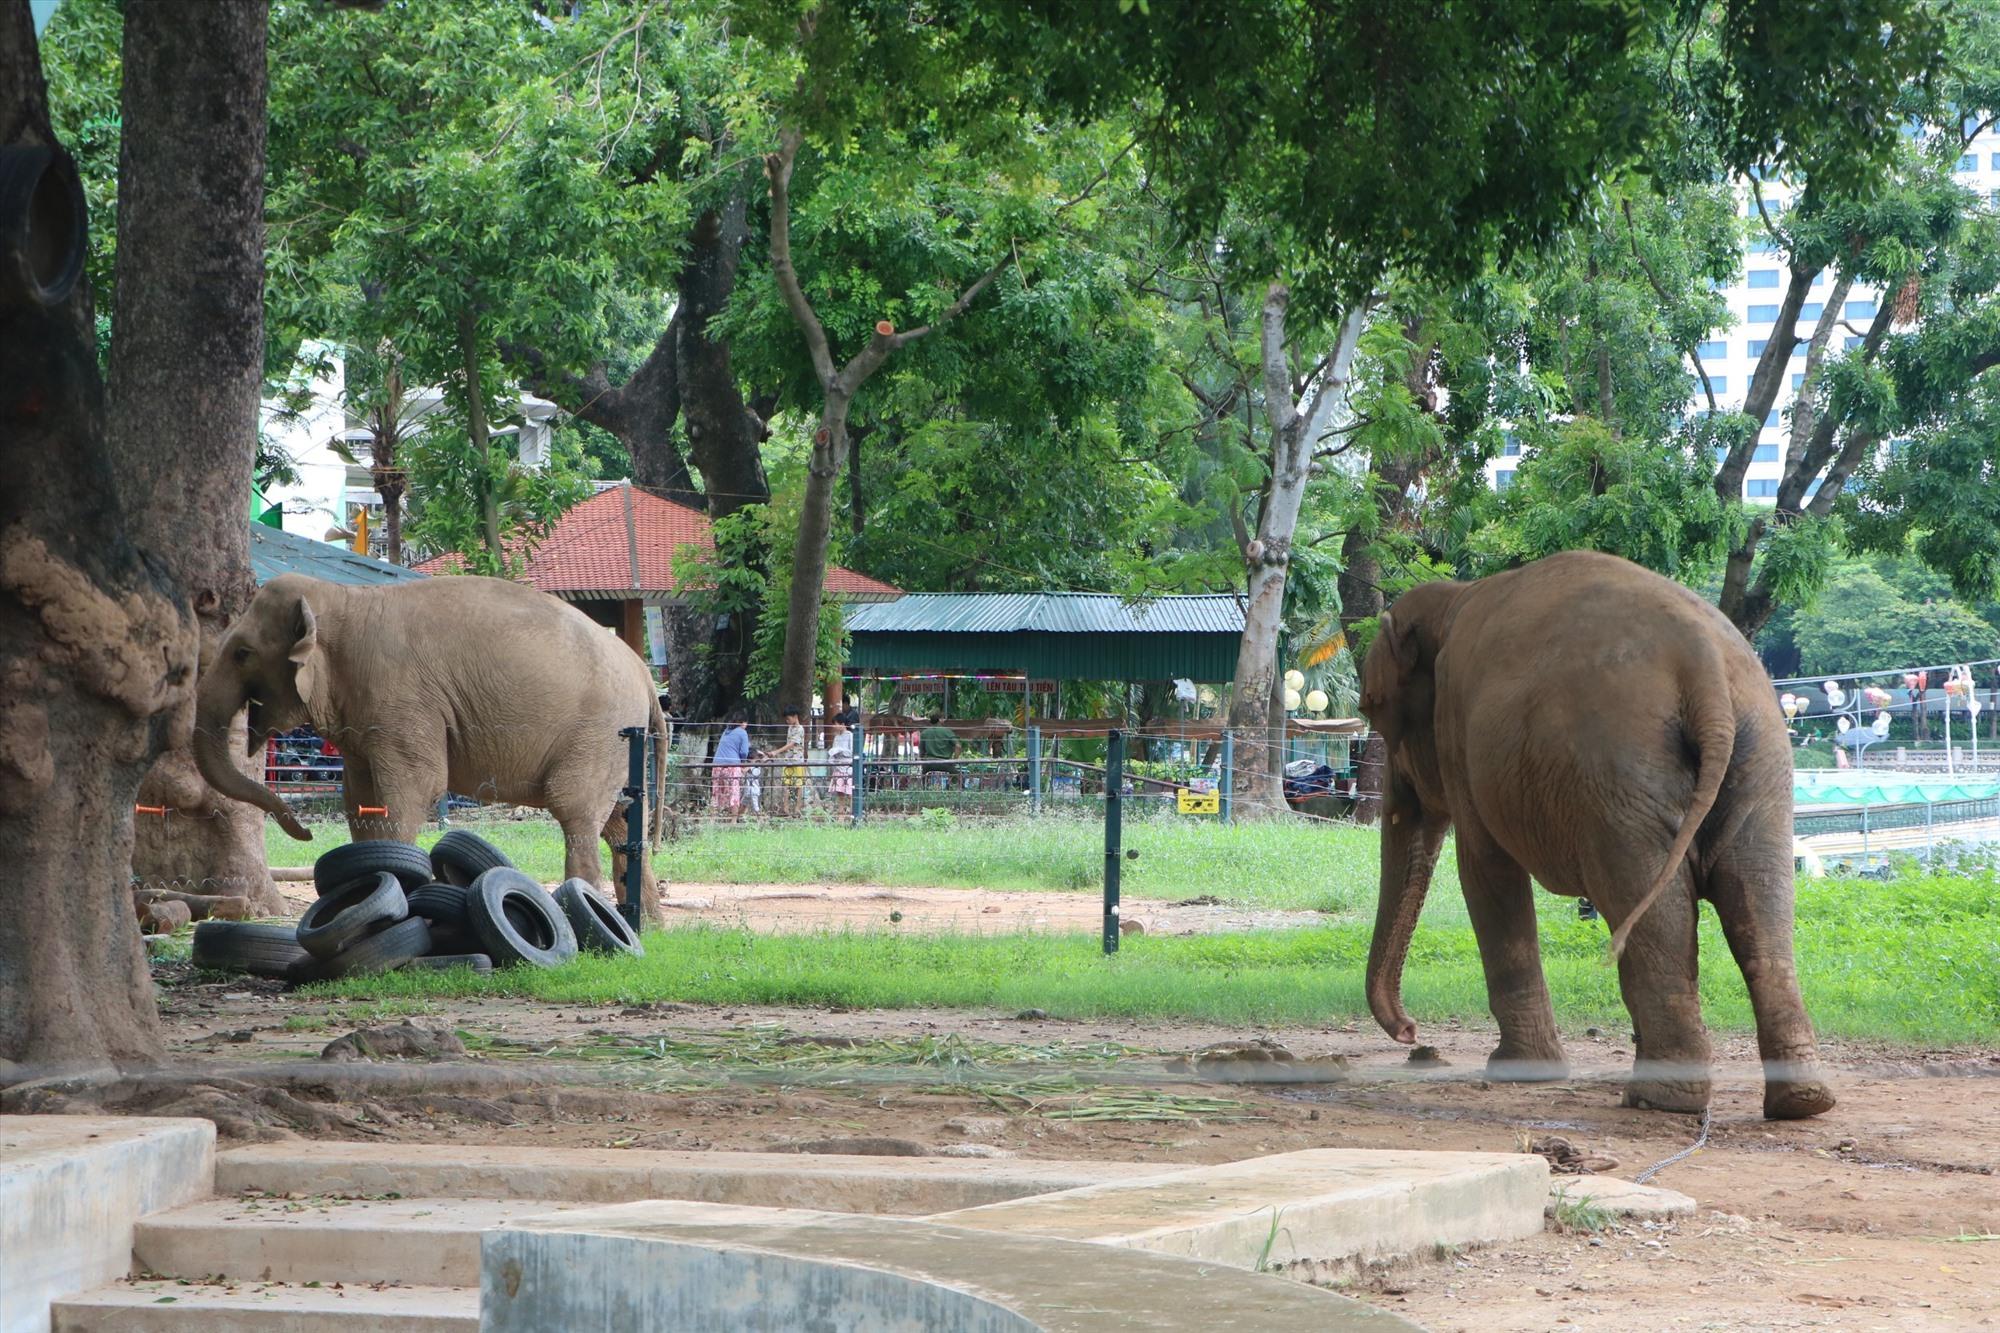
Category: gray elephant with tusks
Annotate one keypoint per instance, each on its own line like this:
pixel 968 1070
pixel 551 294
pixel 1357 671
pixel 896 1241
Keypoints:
pixel 1604 730
pixel 463 684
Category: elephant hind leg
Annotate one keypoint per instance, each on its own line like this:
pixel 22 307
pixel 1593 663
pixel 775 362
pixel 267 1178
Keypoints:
pixel 1500 901
pixel 649 893
pixel 1658 975
pixel 1752 893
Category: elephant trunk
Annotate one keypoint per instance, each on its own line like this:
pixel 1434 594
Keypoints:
pixel 1410 846
pixel 216 707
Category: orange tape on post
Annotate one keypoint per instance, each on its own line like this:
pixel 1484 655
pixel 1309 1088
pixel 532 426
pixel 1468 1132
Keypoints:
pixel 382 810
pixel 150 809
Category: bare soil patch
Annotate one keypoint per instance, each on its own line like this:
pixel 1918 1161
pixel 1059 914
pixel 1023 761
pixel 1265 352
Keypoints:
pixel 1850 1221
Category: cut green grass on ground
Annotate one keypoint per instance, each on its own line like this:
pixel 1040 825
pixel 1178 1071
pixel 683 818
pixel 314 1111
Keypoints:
pixel 1912 960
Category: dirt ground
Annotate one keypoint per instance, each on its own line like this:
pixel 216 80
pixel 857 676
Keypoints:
pixel 1883 1214
pixel 803 908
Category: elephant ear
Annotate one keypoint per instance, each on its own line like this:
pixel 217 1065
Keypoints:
pixel 1399 639
pixel 306 658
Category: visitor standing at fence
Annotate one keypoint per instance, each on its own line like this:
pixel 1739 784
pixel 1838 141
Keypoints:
pixel 840 756
pixel 731 753
pixel 791 792
pixel 939 747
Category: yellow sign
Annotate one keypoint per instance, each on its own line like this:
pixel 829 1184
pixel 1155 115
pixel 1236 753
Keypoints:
pixel 1199 802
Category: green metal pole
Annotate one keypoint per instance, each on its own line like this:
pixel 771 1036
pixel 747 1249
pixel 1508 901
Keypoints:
pixel 1114 834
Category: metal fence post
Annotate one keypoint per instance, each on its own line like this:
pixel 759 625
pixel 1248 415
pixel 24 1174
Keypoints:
pixel 635 824
pixel 1228 773
pixel 1035 770
pixel 1114 834
pixel 860 772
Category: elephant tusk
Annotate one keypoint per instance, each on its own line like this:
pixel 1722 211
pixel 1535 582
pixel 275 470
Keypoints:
pixel 1395 819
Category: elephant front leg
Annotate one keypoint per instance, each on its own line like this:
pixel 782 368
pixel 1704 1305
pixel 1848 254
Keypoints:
pixel 1501 903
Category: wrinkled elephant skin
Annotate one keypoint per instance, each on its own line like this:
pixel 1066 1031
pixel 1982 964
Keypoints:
pixel 472 685
pixel 1590 724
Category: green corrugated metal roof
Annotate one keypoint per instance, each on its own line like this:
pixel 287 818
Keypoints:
pixel 1050 636
pixel 1048 612
pixel 274 551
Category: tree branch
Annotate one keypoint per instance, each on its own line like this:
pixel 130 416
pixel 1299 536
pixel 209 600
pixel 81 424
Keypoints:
pixel 778 168
pixel 1278 404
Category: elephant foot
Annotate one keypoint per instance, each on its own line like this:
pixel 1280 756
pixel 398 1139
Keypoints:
pixel 1683 1096
pixel 1522 1064
pixel 1796 1099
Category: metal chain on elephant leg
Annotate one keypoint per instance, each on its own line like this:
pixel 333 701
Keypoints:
pixel 1700 1142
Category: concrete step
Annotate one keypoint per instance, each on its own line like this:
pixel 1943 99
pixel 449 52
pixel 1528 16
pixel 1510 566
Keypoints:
pixel 910 1186
pixel 142 1306
pixel 416 1242
pixel 1311 1214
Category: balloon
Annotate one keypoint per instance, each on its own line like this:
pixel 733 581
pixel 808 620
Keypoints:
pixel 1877 696
pixel 1316 701
pixel 1835 696
pixel 1881 724
pixel 1830 686
pixel 1843 724
pixel 1973 705
pixel 1291 700
pixel 1295 680
pixel 1910 681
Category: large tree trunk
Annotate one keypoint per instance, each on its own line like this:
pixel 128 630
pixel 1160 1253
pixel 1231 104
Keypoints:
pixel 800 664
pixel 723 433
pixel 97 646
pixel 1255 708
pixel 187 366
pixel 475 421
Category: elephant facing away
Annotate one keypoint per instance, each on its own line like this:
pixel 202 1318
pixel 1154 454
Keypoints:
pixel 1588 723
pixel 465 684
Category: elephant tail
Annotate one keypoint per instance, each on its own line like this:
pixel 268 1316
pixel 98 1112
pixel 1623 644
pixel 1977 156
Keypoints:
pixel 1711 722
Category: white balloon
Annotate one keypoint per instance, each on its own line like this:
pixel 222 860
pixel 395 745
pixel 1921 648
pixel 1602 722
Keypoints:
pixel 1291 700
pixel 1295 680
pixel 1844 724
pixel 1881 724
pixel 1316 701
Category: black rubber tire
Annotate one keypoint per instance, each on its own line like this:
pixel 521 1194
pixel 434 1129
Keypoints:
pixel 599 926
pixel 518 922
pixel 336 921
pixel 343 866
pixel 440 962
pixel 448 908
pixel 460 857
pixel 386 949
pixel 247 946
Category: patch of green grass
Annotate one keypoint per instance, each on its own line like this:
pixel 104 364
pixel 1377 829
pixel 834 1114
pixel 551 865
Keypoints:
pixel 1285 863
pixel 1579 1216
pixel 1912 960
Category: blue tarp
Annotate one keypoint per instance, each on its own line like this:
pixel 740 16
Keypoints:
pixel 1853 788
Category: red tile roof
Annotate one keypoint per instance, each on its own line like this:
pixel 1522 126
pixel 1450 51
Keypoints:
pixel 592 549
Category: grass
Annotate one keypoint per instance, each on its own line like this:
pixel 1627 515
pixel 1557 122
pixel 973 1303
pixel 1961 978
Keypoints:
pixel 1282 864
pixel 1912 960
pixel 1915 959
pixel 1579 1216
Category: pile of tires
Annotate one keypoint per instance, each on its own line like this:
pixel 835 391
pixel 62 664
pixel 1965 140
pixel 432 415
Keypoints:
pixel 383 905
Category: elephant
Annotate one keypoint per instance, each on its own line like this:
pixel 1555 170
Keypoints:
pixel 457 683
pixel 1586 722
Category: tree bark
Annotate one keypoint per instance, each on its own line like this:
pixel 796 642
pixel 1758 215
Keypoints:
pixel 723 433
pixel 475 422
pixel 187 367
pixel 384 456
pixel 838 385
pixel 1267 555
pixel 98 646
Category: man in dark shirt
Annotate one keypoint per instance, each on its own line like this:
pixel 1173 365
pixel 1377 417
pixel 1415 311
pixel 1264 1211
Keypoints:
pixel 938 746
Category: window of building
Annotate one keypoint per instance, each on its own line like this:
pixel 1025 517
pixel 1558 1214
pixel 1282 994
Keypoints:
pixel 1714 349
pixel 1763 314
pixel 1761 488
pixel 1510 444
pixel 1859 310
pixel 1719 383
pixel 1771 418
pixel 1994 161
pixel 1811 309
pixel 1765 453
pixel 1502 480
pixel 1851 342
pixel 1757 346
pixel 1970 162
pixel 1819 278
pixel 1763 245
pixel 1798 381
pixel 1763 277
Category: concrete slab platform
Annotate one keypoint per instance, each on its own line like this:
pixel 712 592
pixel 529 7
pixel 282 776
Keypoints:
pixel 71 1189
pixel 898 1185
pixel 675 1265
pixel 415 1242
pixel 1620 1198
pixel 1311 1213
pixel 168 1307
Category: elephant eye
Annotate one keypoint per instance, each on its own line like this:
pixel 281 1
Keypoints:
pixel 242 654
